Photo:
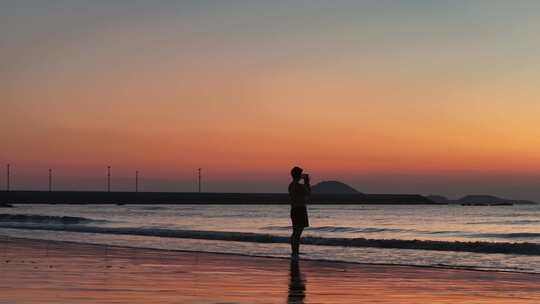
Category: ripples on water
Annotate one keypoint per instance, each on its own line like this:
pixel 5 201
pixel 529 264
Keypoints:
pixel 501 224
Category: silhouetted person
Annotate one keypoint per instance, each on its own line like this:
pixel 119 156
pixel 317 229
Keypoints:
pixel 299 195
pixel 297 284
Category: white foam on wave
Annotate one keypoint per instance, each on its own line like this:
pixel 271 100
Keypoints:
pixel 478 247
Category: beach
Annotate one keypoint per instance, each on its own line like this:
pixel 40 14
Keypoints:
pixel 37 271
pixel 248 152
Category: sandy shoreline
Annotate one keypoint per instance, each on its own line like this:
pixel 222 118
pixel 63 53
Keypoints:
pixel 57 272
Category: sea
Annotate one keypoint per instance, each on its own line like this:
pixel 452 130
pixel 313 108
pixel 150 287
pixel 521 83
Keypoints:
pixel 499 238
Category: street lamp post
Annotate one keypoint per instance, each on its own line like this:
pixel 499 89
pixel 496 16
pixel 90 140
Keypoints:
pixel 108 178
pixel 8 176
pixel 50 180
pixel 136 181
pixel 200 169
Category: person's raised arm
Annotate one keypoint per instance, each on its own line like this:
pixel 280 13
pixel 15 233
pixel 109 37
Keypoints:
pixel 306 184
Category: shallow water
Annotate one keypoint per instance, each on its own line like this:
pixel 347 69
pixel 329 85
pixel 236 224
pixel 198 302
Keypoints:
pixel 167 226
pixel 56 272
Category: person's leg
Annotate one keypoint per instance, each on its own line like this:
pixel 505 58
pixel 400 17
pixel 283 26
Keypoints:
pixel 300 230
pixel 295 240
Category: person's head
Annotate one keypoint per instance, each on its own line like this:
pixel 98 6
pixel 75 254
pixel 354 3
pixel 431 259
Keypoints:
pixel 296 173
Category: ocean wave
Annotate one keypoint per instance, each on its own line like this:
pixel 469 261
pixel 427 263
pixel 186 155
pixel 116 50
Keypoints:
pixel 352 229
pixel 43 219
pixel 153 208
pixel 360 230
pixel 338 229
pixel 478 247
pixel 440 232
pixel 332 229
pixel 512 235
pixel 508 222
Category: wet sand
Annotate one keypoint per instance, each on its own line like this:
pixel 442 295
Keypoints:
pixel 57 272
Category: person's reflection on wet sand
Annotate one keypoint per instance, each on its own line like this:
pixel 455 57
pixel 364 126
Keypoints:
pixel 297 284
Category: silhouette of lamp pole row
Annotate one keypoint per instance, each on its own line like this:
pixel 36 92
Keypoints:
pixel 50 180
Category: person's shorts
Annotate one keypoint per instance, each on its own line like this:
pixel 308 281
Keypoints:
pixel 299 217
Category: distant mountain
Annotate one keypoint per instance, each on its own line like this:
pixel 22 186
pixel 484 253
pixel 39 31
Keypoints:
pixel 333 187
pixel 478 199
pixel 438 199
pixel 490 199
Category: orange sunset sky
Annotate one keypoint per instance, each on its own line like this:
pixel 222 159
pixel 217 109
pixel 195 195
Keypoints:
pixel 388 96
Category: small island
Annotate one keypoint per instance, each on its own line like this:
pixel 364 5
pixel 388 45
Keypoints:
pixel 333 187
pixel 479 200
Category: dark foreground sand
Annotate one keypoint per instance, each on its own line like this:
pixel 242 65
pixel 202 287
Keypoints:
pixel 56 272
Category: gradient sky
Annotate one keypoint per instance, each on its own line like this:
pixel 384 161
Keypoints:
pixel 389 96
